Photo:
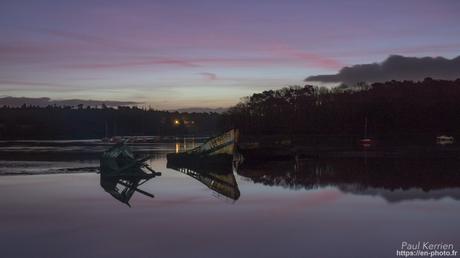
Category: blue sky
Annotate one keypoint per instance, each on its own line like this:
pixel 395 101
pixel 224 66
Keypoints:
pixel 176 54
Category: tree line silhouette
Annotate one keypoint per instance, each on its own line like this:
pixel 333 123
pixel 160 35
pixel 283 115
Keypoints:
pixel 394 110
pixel 79 122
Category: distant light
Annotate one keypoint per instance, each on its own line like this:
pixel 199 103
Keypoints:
pixel 176 122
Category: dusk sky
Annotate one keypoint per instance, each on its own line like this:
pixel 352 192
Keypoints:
pixel 176 54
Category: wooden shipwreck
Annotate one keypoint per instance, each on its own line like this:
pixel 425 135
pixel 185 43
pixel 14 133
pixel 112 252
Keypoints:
pixel 122 173
pixel 215 152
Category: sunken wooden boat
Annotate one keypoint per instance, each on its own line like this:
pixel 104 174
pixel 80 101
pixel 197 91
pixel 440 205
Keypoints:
pixel 122 173
pixel 120 160
pixel 218 151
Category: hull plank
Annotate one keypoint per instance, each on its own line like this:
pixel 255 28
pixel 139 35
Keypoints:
pixel 218 151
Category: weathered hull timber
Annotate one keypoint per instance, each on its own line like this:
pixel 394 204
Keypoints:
pixel 119 160
pixel 218 151
pixel 122 173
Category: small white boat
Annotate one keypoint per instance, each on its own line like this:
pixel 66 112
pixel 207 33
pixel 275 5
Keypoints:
pixel 444 140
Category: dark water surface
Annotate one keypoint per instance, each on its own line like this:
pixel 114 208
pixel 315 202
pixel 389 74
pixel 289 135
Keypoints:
pixel 54 206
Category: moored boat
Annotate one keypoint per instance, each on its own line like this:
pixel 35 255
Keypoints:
pixel 444 140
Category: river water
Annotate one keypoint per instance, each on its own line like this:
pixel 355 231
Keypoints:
pixel 53 205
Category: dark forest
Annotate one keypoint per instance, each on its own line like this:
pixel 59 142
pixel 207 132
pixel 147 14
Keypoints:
pixel 394 109
pixel 55 122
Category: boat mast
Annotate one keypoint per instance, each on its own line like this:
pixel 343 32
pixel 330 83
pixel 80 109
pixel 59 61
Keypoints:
pixel 365 127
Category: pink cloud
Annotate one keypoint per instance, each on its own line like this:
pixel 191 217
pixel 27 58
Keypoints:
pixel 21 49
pixel 209 76
pixel 135 63
pixel 253 53
pixel 291 59
pixel 424 49
pixel 16 82
pixel 308 58
pixel 413 50
pixel 22 85
pixel 86 38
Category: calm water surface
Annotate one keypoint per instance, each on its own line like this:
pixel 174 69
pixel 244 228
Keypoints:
pixel 56 207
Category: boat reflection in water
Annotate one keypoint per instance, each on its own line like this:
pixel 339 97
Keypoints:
pixel 122 173
pixel 392 179
pixel 123 188
pixel 220 180
pixel 211 163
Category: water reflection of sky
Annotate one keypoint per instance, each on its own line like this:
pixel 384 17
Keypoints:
pixel 70 215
